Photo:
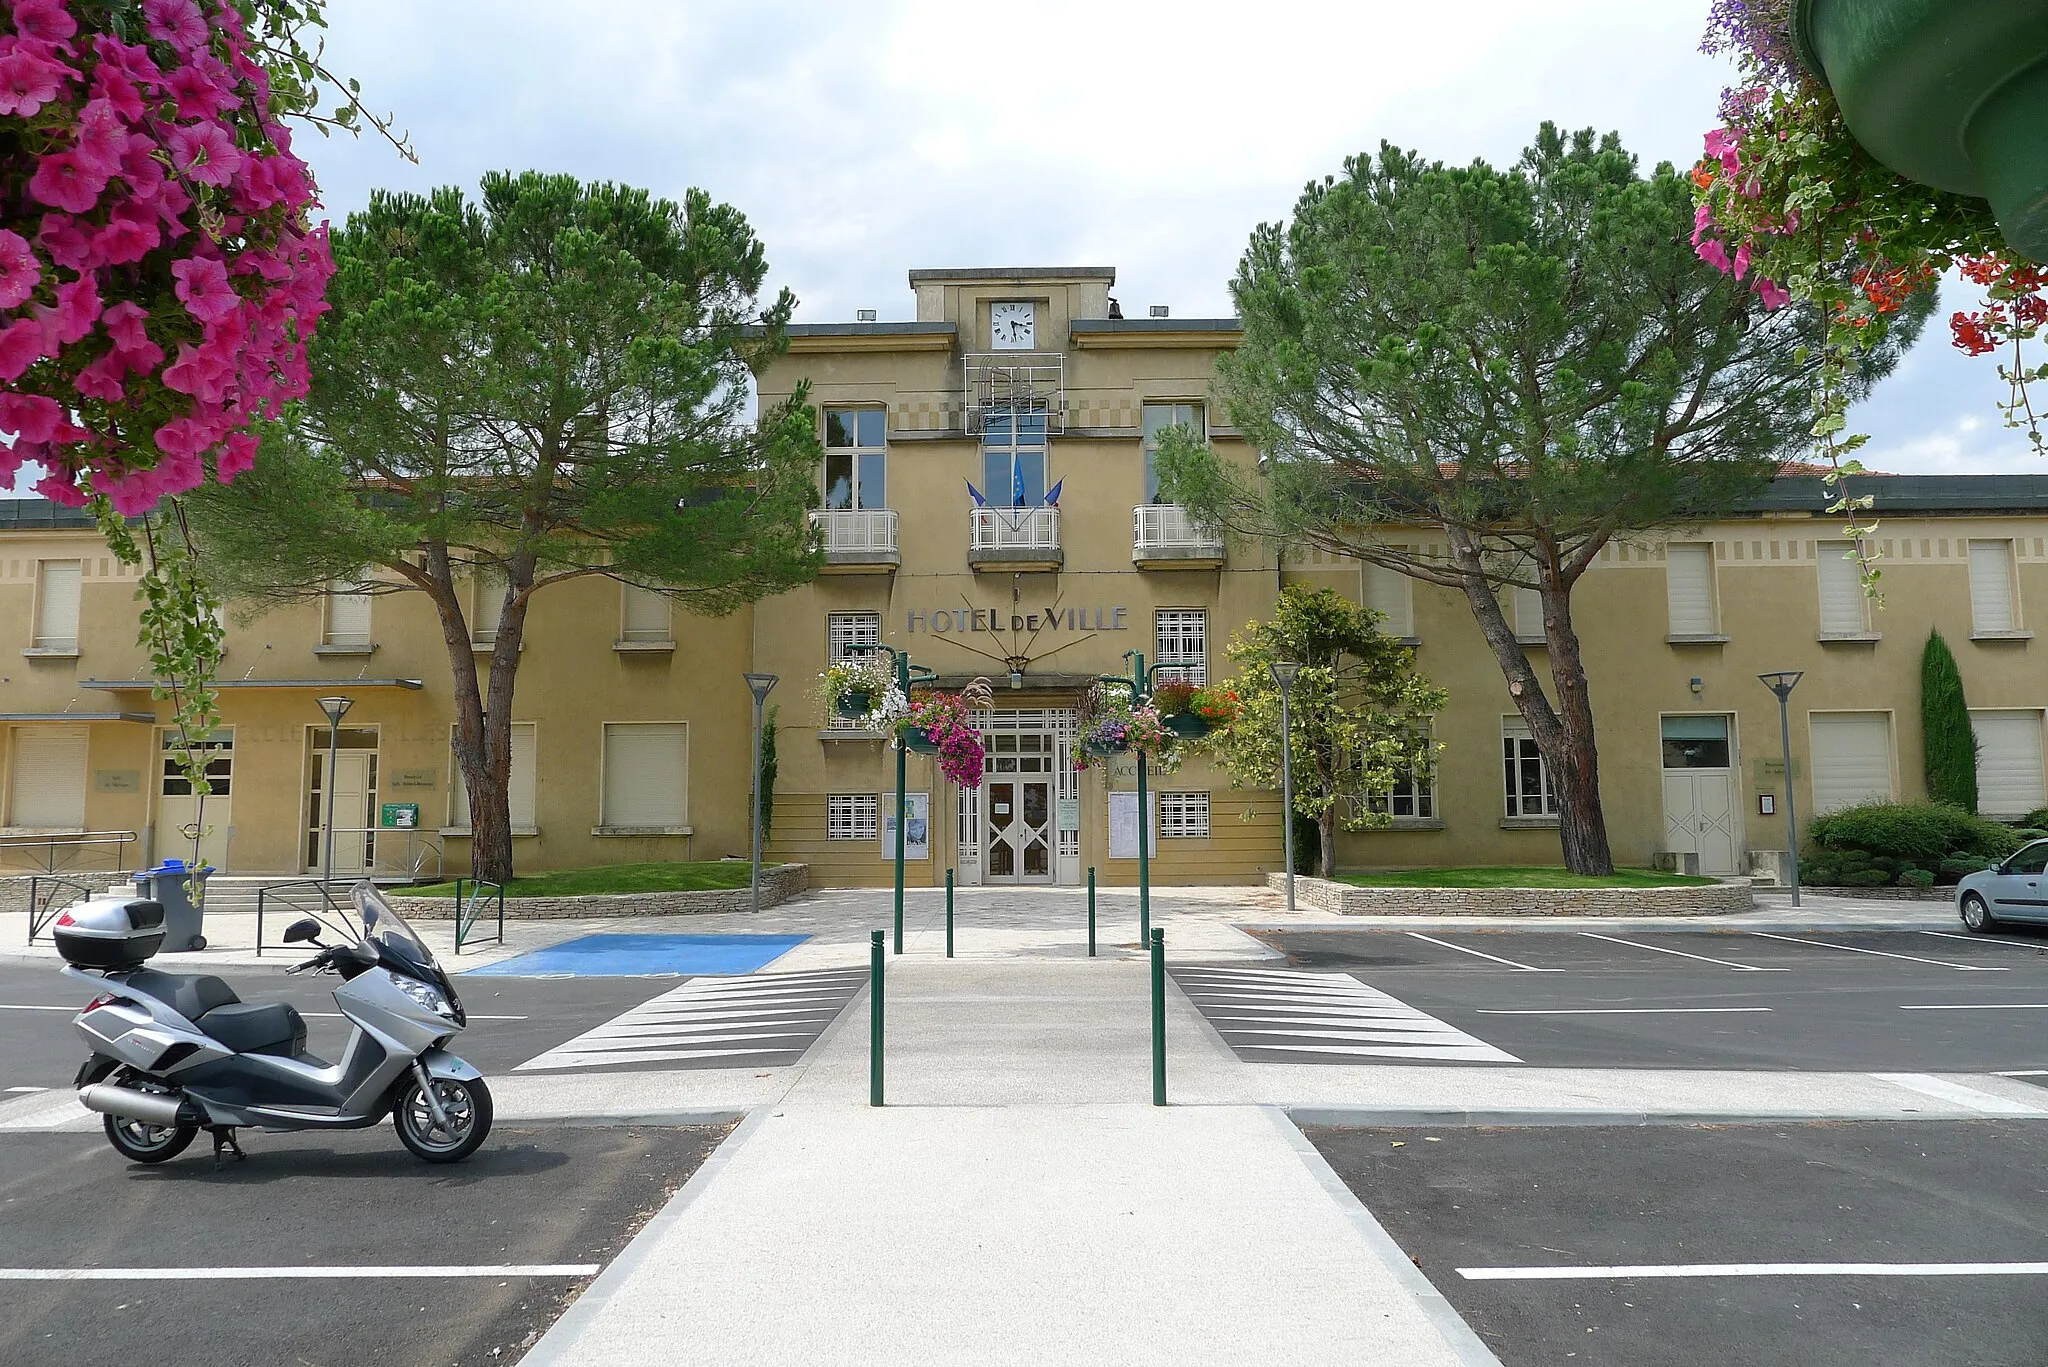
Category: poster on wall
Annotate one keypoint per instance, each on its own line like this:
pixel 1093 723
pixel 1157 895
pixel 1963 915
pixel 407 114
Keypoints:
pixel 1123 826
pixel 919 845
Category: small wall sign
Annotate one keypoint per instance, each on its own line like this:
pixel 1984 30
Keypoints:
pixel 414 778
pixel 117 780
pixel 399 816
pixel 1767 804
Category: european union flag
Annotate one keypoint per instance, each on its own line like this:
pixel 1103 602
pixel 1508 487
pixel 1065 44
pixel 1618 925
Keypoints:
pixel 1016 484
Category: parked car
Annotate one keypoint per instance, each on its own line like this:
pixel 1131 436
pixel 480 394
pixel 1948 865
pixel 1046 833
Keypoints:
pixel 2015 890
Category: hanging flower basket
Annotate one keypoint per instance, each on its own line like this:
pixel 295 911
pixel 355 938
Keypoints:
pixel 1187 725
pixel 1103 749
pixel 1949 93
pixel 918 743
pixel 855 703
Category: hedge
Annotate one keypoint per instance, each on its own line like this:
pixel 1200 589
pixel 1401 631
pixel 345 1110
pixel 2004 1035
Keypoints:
pixel 1912 844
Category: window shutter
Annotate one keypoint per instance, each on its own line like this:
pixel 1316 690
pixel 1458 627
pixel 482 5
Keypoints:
pixel 1392 594
pixel 57 610
pixel 1991 586
pixel 1528 615
pixel 1843 607
pixel 487 603
pixel 1689 587
pixel 520 783
pixel 49 777
pixel 2009 769
pixel 646 775
pixel 647 615
pixel 348 614
pixel 1852 759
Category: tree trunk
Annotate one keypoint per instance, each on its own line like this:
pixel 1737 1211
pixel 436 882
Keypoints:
pixel 1326 828
pixel 1574 775
pixel 482 736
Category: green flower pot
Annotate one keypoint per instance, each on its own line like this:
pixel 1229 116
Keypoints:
pixel 855 703
pixel 1101 751
pixel 1950 93
pixel 918 743
pixel 1187 725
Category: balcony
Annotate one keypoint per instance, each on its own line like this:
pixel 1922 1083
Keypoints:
pixel 1005 539
pixel 857 540
pixel 1164 537
pixel 1006 383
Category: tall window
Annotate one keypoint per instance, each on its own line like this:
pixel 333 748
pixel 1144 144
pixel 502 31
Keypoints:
pixel 1844 607
pixel 57 590
pixel 643 616
pixel 1181 640
pixel 646 776
pixel 1529 627
pixel 1391 594
pixel 1689 587
pixel 521 789
pixel 856 458
pixel 1993 609
pixel 1412 798
pixel 1158 417
pixel 486 605
pixel 849 635
pixel 348 615
pixel 1526 781
pixel 1013 457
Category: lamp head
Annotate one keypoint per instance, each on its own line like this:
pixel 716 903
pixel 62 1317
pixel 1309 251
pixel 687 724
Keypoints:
pixel 1782 682
pixel 761 685
pixel 1284 672
pixel 336 707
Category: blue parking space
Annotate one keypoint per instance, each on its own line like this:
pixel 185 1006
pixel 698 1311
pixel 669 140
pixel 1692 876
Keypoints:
pixel 630 956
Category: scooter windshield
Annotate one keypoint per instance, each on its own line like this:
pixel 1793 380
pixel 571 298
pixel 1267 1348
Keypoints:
pixel 386 928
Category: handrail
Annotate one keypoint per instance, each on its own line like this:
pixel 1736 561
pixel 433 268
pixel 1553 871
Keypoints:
pixel 50 841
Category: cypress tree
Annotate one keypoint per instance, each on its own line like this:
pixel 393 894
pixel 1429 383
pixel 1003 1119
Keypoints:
pixel 1950 744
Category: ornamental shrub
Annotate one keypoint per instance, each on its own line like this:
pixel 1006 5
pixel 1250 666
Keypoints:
pixel 1865 878
pixel 1947 740
pixel 1916 878
pixel 1921 832
pixel 1957 866
pixel 158 274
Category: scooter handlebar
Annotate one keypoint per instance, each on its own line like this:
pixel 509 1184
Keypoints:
pixel 318 961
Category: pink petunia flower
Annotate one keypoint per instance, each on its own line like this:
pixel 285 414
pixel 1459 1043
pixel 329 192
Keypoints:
pixel 101 137
pixel 64 180
pixel 203 88
pixel 78 308
pixel 46 21
pixel 1741 263
pixel 22 344
pixel 65 244
pixel 131 234
pixel 29 81
pixel 1773 295
pixel 130 59
pixel 61 487
pixel 198 372
pixel 19 271
pixel 177 22
pixel 1714 254
pixel 30 417
pixel 140 168
pixel 115 87
pixel 237 454
pixel 204 289
pixel 104 379
pixel 123 323
pixel 204 152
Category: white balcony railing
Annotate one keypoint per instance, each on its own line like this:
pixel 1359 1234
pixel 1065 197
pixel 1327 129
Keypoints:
pixel 1015 529
pixel 1165 529
pixel 864 532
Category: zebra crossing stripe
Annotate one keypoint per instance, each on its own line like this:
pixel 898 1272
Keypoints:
pixel 715 1022
pixel 1328 1016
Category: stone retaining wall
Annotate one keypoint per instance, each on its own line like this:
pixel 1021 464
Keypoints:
pixel 778 884
pixel 1717 899
pixel 1935 894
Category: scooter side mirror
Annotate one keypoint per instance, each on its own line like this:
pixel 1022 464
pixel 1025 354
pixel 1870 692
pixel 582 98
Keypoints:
pixel 306 928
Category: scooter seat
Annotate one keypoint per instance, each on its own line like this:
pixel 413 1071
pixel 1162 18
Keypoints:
pixel 191 995
pixel 253 1028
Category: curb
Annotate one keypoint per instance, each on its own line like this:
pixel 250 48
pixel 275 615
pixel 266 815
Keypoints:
pixel 1367 1117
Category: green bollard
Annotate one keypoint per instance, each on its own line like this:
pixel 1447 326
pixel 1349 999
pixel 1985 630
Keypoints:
pixel 875 1022
pixel 949 913
pixel 1091 911
pixel 1158 1018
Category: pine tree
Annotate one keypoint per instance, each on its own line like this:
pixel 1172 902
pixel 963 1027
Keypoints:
pixel 1950 745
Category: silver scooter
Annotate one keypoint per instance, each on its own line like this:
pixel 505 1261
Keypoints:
pixel 175 1053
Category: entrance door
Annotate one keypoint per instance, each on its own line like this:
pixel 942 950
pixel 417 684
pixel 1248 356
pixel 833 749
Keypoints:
pixel 1019 830
pixel 352 847
pixel 1699 792
pixel 182 817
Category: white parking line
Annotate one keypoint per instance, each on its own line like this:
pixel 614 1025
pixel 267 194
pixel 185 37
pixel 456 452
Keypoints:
pixel 1983 1006
pixel 1986 940
pixel 5 1007
pixel 2024 1072
pixel 1629 1011
pixel 207 1274
pixel 1660 949
pixel 28 1089
pixel 1652 1270
pixel 1526 968
pixel 1880 953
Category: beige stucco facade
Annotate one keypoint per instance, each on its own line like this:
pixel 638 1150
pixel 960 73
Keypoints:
pixel 1039 600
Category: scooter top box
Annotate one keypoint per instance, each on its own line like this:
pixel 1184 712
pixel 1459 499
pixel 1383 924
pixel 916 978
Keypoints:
pixel 109 932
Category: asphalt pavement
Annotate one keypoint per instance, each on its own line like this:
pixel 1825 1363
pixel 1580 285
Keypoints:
pixel 1815 1245
pixel 1904 1000
pixel 369 1232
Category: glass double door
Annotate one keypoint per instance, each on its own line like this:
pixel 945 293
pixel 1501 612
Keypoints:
pixel 1019 803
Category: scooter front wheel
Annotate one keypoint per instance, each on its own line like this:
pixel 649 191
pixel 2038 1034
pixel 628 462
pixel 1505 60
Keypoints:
pixel 466 1104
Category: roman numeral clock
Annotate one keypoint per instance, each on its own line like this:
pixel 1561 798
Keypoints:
pixel 1012 326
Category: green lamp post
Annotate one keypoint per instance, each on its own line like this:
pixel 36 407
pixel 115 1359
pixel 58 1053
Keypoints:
pixel 906 672
pixel 1140 684
pixel 1949 93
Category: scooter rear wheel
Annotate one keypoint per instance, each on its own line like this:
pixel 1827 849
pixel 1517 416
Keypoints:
pixel 467 1103
pixel 138 1141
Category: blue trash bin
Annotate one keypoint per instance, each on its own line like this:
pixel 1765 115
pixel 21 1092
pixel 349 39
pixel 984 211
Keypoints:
pixel 172 883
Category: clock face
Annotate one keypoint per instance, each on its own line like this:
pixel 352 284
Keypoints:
pixel 1012 326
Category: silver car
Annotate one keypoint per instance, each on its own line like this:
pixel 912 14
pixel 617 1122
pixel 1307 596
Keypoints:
pixel 2016 890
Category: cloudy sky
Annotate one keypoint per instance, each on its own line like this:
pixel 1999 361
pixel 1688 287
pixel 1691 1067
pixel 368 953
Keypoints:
pixel 867 137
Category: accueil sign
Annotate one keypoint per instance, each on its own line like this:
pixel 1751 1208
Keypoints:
pixel 993 621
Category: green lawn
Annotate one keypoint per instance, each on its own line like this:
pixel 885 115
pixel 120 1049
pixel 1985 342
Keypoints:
pixel 705 875
pixel 1518 876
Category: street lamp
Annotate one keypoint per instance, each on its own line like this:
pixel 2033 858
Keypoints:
pixel 1140 684
pixel 905 671
pixel 1284 672
pixel 336 708
pixel 1782 684
pixel 760 685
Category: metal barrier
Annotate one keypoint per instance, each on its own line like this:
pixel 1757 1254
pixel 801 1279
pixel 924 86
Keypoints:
pixel 418 860
pixel 306 896
pixel 70 843
pixel 47 895
pixel 468 909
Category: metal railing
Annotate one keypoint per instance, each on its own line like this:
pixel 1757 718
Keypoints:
pixel 63 849
pixel 1167 527
pixel 1028 382
pixel 856 531
pixel 482 896
pixel 48 895
pixel 1015 529
pixel 305 896
pixel 392 852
